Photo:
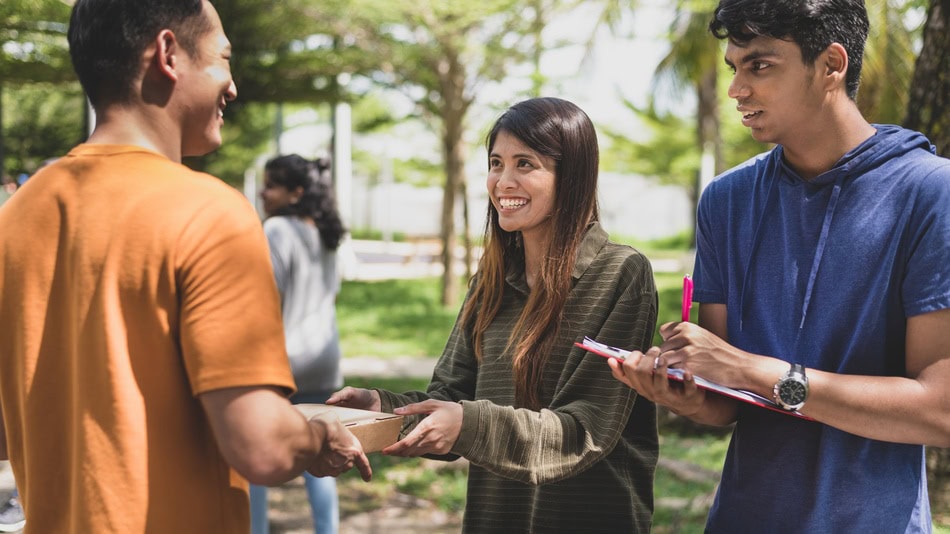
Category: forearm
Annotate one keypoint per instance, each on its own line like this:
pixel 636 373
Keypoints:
pixel 261 435
pixel 540 447
pixel 716 410
pixel 287 448
pixel 885 408
pixel 896 409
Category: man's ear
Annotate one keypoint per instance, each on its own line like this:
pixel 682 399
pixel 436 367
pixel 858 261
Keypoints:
pixel 167 49
pixel 834 62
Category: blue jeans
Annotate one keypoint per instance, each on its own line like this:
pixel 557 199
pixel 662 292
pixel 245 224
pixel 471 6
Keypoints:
pixel 324 506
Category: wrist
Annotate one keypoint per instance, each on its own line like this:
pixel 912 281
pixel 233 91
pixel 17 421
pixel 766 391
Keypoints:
pixel 791 389
pixel 321 430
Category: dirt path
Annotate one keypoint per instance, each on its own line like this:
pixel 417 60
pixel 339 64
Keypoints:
pixel 360 513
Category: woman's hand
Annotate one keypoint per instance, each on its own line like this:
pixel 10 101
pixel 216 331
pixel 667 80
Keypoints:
pixel 436 434
pixel 361 399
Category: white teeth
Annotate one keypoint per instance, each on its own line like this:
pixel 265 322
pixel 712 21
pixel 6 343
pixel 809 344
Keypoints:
pixel 508 203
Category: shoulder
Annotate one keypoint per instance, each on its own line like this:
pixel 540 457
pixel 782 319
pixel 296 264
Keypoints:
pixel 623 264
pixel 741 177
pixel 623 256
pixel 277 225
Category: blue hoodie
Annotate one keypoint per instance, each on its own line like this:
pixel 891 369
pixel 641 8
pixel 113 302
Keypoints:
pixel 825 272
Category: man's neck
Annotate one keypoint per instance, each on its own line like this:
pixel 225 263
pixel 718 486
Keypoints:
pixel 841 129
pixel 134 125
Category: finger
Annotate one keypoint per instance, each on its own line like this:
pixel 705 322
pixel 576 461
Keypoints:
pixel 416 408
pixel 661 382
pixel 406 446
pixel 689 384
pixel 341 396
pixel 366 470
pixel 616 369
pixel 666 329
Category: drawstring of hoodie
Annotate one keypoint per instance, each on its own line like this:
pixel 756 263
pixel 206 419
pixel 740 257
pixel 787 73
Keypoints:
pixel 819 252
pixel 822 241
pixel 816 263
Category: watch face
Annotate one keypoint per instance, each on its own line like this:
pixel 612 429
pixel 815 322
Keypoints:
pixel 792 392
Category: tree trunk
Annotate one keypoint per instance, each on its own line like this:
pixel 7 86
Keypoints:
pixel 707 115
pixel 453 109
pixel 454 162
pixel 928 111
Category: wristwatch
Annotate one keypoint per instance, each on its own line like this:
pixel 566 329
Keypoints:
pixel 791 390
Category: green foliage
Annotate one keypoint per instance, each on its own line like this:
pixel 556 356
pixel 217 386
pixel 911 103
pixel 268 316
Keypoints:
pixel 670 154
pixel 889 57
pixel 246 135
pixel 40 121
pixel 33 42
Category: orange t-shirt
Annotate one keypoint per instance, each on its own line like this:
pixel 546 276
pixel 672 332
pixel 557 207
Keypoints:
pixel 129 284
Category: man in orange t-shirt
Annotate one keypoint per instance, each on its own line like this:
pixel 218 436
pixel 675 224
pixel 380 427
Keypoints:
pixel 143 374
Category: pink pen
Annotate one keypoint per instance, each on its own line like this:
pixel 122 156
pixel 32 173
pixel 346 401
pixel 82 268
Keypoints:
pixel 687 296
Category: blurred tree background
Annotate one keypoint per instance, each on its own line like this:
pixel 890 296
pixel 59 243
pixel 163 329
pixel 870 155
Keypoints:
pixel 441 55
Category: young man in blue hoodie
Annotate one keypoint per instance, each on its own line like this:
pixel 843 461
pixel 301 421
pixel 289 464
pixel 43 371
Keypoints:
pixel 822 273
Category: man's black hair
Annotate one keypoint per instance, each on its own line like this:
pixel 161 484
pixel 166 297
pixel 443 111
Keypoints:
pixel 107 39
pixel 812 24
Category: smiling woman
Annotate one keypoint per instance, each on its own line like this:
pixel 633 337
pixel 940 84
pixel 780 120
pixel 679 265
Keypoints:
pixel 554 444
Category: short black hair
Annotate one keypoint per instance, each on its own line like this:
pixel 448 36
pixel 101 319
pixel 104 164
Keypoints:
pixel 107 38
pixel 812 24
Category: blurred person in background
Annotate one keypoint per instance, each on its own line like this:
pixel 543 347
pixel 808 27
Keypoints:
pixel 304 230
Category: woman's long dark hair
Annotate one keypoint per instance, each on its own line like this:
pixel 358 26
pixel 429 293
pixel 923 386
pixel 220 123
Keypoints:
pixel 562 131
pixel 318 201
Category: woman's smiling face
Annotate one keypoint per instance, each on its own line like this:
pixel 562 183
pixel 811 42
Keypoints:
pixel 521 185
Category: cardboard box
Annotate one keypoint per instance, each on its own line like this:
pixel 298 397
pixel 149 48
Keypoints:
pixel 375 430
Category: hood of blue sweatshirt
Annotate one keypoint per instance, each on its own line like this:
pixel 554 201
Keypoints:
pixel 886 144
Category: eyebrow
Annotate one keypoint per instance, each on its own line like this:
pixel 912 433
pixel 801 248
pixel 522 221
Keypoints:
pixel 752 56
pixel 515 156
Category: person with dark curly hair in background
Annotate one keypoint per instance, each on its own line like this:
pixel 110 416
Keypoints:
pixel 304 230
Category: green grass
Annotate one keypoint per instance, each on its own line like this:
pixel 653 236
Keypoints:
pixel 682 505
pixel 393 318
